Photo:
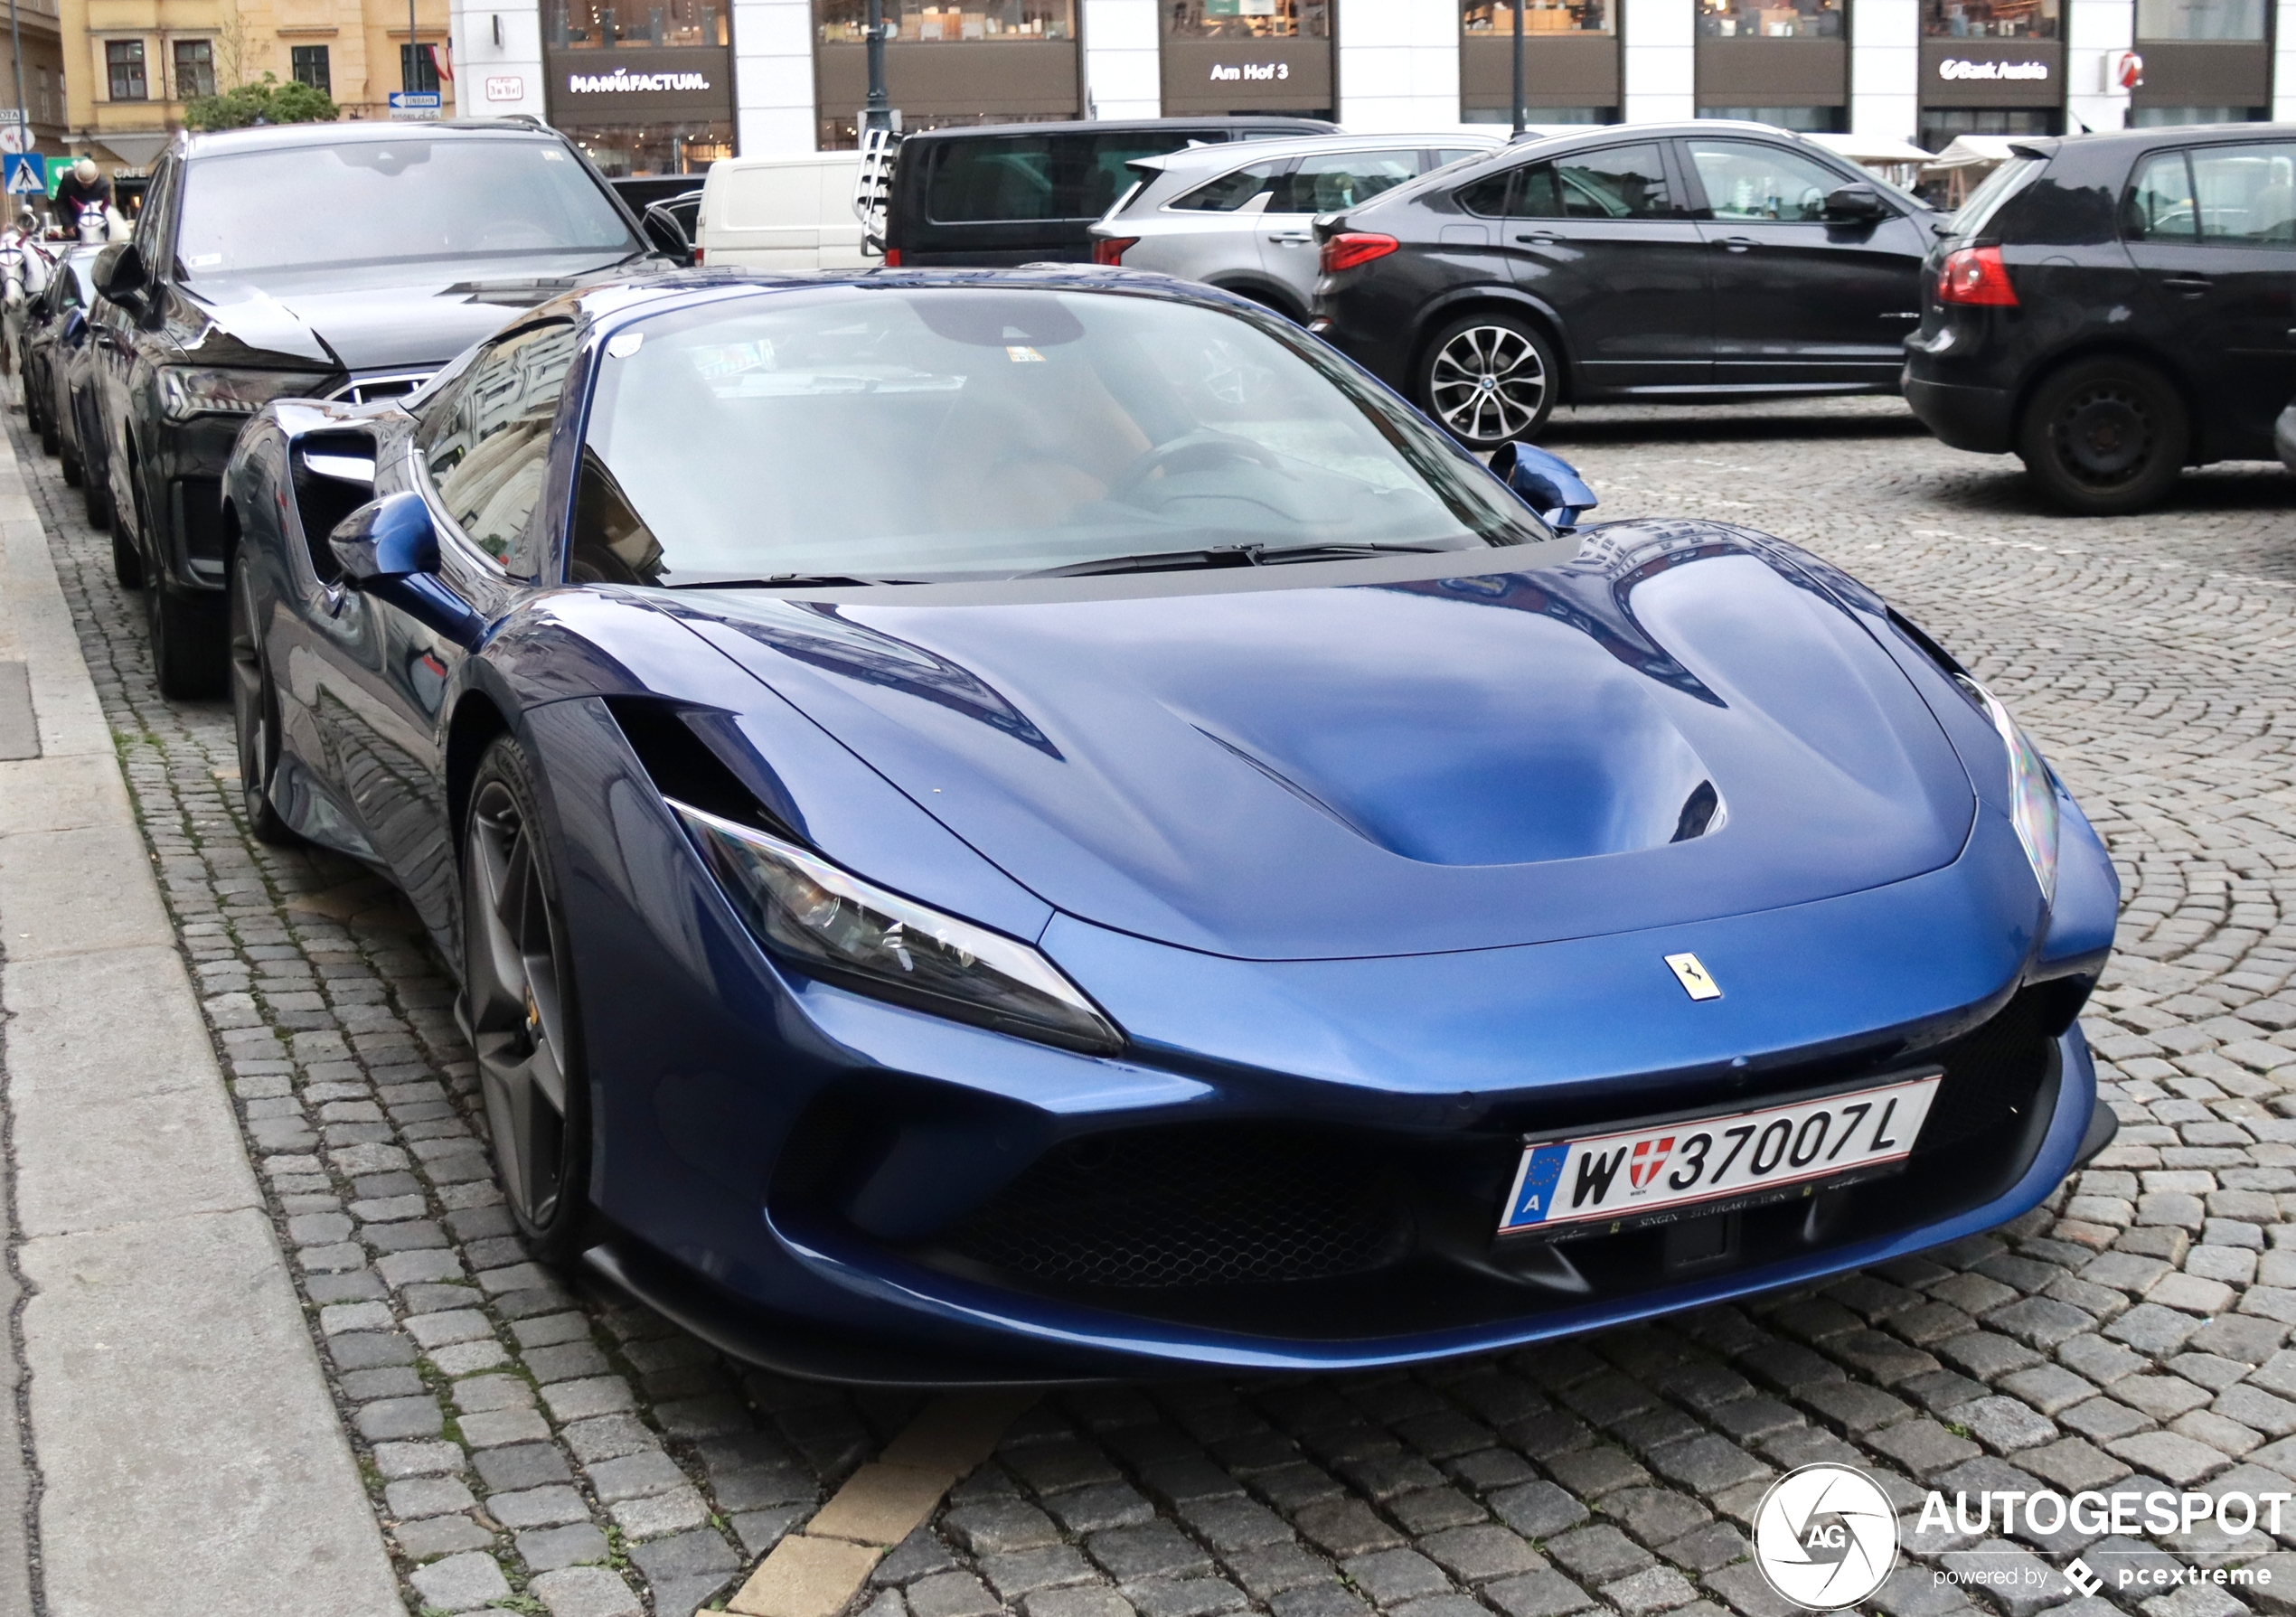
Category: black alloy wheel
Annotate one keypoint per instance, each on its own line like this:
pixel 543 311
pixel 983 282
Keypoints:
pixel 2104 437
pixel 68 454
pixel 518 1006
pixel 1490 379
pixel 255 712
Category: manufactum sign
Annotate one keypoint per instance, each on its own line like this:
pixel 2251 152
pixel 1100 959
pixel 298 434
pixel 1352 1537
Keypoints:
pixel 622 81
pixel 1959 68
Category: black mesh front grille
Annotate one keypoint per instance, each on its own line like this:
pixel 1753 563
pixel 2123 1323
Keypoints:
pixel 1231 1206
pixel 1991 1075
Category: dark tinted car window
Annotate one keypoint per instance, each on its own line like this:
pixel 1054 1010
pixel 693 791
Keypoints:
pixel 1232 191
pixel 1619 183
pixel 1030 177
pixel 2161 202
pixel 1488 195
pixel 374 201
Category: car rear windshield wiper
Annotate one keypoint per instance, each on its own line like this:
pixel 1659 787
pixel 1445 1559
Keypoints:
pixel 1173 561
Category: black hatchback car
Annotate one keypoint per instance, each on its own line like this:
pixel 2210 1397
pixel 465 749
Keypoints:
pixel 2116 307
pixel 1705 260
pixel 1028 194
pixel 346 260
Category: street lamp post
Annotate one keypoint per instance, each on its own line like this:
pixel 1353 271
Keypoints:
pixel 1519 65
pixel 879 113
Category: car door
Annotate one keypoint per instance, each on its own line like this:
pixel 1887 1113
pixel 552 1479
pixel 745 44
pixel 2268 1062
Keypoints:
pixel 1799 298
pixel 118 340
pixel 1323 183
pixel 1604 237
pixel 2212 231
pixel 481 454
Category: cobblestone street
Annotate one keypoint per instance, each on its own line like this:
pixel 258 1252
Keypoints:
pixel 530 1442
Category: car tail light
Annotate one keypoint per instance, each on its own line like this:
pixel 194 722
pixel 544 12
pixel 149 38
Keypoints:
pixel 1351 247
pixel 1975 275
pixel 697 255
pixel 892 257
pixel 1110 250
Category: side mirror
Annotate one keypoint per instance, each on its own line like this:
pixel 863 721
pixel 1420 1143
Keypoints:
pixel 1547 482
pixel 1860 202
pixel 389 549
pixel 119 273
pixel 384 541
pixel 667 235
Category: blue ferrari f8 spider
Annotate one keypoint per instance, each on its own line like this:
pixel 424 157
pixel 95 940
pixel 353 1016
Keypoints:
pixel 1043 826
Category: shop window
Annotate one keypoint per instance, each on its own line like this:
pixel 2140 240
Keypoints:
pixel 309 65
pixel 1770 19
pixel 1989 19
pixel 2172 117
pixel 667 148
pixel 418 68
pixel 1488 19
pixel 596 25
pixel 2200 19
pixel 1939 126
pixel 123 58
pixel 1249 19
pixel 1539 115
pixel 1802 120
pixel 940 22
pixel 194 69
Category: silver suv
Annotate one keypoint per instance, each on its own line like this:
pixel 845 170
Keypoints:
pixel 1238 218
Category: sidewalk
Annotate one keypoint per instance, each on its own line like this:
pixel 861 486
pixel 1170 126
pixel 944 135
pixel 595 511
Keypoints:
pixel 186 1455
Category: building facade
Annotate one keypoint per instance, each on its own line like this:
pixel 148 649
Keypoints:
pixel 132 64
pixel 663 87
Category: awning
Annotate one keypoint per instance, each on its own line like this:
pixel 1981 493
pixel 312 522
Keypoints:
pixel 137 151
pixel 1873 151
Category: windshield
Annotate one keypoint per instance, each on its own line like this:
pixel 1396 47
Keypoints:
pixel 921 434
pixel 372 201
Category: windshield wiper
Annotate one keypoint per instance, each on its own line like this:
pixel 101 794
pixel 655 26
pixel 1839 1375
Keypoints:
pixel 1173 561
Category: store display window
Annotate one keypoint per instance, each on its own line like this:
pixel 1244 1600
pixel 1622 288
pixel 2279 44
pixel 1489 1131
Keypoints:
pixel 623 24
pixel 1991 19
pixel 1249 19
pixel 1770 19
pixel 1488 19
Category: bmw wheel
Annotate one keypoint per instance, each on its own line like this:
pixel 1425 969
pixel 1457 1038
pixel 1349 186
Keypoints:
pixel 518 1005
pixel 2104 437
pixel 1490 379
pixel 255 713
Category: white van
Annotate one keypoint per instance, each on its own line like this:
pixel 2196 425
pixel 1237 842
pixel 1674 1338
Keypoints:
pixel 792 212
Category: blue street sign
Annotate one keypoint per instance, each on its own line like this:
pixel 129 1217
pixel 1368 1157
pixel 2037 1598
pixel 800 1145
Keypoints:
pixel 415 103
pixel 26 174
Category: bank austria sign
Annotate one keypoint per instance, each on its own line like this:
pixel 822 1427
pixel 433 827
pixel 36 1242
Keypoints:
pixel 1957 69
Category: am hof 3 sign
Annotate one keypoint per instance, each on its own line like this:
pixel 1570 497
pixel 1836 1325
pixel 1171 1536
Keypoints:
pixel 1825 1536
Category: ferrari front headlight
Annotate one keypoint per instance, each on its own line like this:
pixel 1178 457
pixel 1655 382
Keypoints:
pixel 829 921
pixel 2032 792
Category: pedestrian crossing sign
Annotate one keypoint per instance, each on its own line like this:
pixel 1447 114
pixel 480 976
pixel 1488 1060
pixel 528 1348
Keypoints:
pixel 26 173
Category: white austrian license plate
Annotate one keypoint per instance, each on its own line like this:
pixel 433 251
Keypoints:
pixel 1656 1174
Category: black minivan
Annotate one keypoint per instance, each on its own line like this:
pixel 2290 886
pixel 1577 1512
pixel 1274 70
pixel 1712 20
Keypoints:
pixel 2115 308
pixel 1028 194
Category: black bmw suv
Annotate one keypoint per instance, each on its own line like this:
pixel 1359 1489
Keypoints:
pixel 344 261
pixel 1704 260
pixel 2116 307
